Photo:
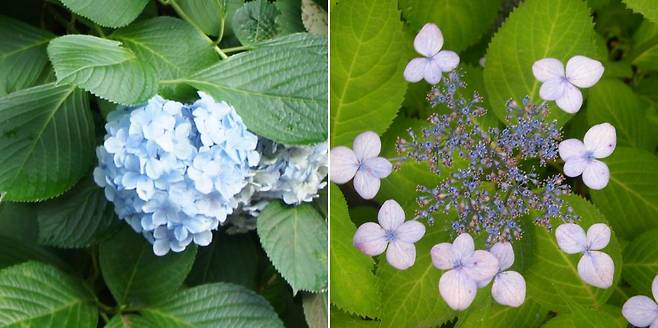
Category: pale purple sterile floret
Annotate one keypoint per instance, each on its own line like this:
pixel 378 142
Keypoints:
pixel 583 157
pixel 362 163
pixel 642 311
pixel 594 267
pixel 391 234
pixel 435 62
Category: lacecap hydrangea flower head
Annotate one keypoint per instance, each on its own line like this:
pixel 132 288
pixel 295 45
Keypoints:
pixel 175 172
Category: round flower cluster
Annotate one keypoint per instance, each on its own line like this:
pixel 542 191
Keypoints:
pixel 173 171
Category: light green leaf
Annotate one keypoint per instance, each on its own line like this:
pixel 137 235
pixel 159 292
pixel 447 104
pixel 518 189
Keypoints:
pixel 135 275
pixel 455 18
pixel 647 8
pixel 349 267
pixel 641 262
pixel 115 13
pixel 241 250
pixel 614 102
pixel 213 305
pixel 207 15
pixel 279 89
pixel 295 240
pixel 411 297
pixel 79 218
pixel 151 42
pixel 130 321
pixel 367 60
pixel 23 58
pixel 552 279
pixel 255 21
pixel 38 295
pixel 290 18
pixel 46 141
pixel 315 310
pixel 102 67
pixel 630 201
pixel 536 29
pixel 648 60
pixel 485 312
pixel 587 317
pixel 340 319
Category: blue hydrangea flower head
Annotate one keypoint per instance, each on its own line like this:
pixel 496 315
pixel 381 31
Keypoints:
pixel 174 171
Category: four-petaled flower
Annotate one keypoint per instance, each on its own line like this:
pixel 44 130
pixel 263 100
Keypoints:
pixel 582 157
pixel 363 164
pixel 428 42
pixel 562 86
pixel 595 267
pixel 467 268
pixel 372 238
pixel 509 286
pixel 642 311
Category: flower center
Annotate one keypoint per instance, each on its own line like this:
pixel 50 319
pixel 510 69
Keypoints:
pixel 390 236
pixel 589 156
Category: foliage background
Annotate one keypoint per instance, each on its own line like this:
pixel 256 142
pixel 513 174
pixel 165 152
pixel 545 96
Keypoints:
pixel 65 258
pixel 372 41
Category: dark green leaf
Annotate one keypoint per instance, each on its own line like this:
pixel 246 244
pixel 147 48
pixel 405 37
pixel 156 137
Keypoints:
pixel 115 13
pixel 295 240
pixel 255 21
pixel 290 18
pixel 79 218
pixel 135 275
pixel 641 262
pixel 46 141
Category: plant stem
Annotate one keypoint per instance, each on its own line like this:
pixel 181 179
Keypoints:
pixel 235 49
pixel 104 316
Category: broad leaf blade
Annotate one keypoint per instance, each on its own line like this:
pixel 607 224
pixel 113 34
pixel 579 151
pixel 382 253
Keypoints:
pixel 492 315
pixel 614 102
pixel 367 85
pixel 78 219
pixel 130 321
pixel 647 8
pixel 171 45
pixel 216 305
pixel 135 275
pixel 641 262
pixel 279 91
pixel 115 13
pixel 103 67
pixel 38 295
pixel 46 141
pixel 315 310
pixel 536 29
pixel 348 266
pixel 23 58
pixel 630 201
pixel 463 22
pixel 255 21
pixel 295 240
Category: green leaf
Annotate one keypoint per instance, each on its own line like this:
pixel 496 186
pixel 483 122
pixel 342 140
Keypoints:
pixel 367 61
pixel 552 279
pixel 492 315
pixel 279 89
pixel 213 305
pixel 115 13
pixel 255 21
pixel 340 319
pixel 536 29
pixel 18 221
pixel 207 15
pixel 103 68
pixel 455 18
pixel 23 58
pixel 295 240
pixel 290 18
pixel 641 262
pixel 242 251
pixel 648 60
pixel 46 141
pixel 349 267
pixel 587 317
pixel 614 102
pixel 647 8
pixel 38 295
pixel 130 321
pixel 630 201
pixel 315 310
pixel 78 219
pixel 135 275
pixel 411 297
pixel 151 42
